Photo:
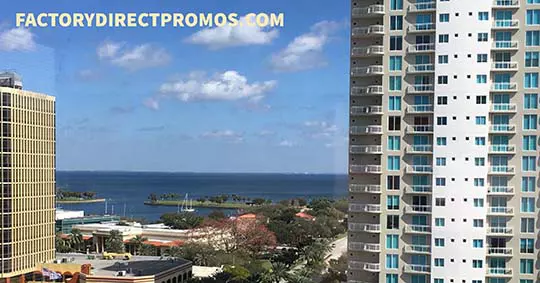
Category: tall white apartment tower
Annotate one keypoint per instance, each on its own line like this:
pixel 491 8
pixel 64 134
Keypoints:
pixel 444 140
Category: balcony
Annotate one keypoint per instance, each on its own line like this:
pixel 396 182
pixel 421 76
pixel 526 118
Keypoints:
pixel 502 149
pixel 419 149
pixel 367 110
pixel 424 88
pixel 367 71
pixel 370 267
pixel 417 229
pixel 505 45
pixel 505 24
pixel 370 31
pixel 420 109
pixel 374 50
pixel 504 87
pixel 369 189
pixel 505 4
pixel 419 169
pixel 500 231
pixel 502 129
pixel 363 227
pixel 417 249
pixel 364 247
pixel 503 108
pixel 504 66
pixel 422 7
pixel 418 209
pixel 421 68
pixel 500 190
pixel 418 189
pixel 423 27
pixel 366 130
pixel 417 269
pixel 498 272
pixel 367 90
pixel 366 169
pixel 500 211
pixel 502 170
pixel 368 12
pixel 499 251
pixel 421 48
pixel 365 149
pixel 370 208
pixel 420 129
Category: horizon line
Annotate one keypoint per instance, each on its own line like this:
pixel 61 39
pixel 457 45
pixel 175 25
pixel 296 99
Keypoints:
pixel 201 172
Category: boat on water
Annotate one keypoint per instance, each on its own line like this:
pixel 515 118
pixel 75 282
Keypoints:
pixel 187 205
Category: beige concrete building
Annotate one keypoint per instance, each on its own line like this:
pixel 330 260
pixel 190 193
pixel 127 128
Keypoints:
pixel 27 177
pixel 444 141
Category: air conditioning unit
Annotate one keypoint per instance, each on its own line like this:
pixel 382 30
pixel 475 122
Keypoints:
pixel 121 273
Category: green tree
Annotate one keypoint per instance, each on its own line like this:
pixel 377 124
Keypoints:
pixel 315 253
pixel 148 250
pixel 182 220
pixel 114 242
pixel 62 244
pixel 337 272
pixel 217 215
pixel 76 239
pixel 138 242
pixel 278 272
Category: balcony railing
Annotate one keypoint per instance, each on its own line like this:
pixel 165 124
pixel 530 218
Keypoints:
pixel 502 128
pixel 423 88
pixel 504 87
pixel 364 247
pixel 505 45
pixel 372 208
pixel 418 209
pixel 364 227
pixel 366 110
pixel 418 189
pixel 417 229
pixel 506 24
pixel 417 268
pixel 420 129
pixel 374 50
pixel 366 149
pixel 419 169
pixel 499 251
pixel 503 107
pixel 366 130
pixel 366 169
pixel 367 90
pixel 370 11
pixel 504 66
pixel 500 190
pixel 502 148
pixel 499 272
pixel 420 108
pixel 417 249
pixel 371 267
pixel 420 148
pixel 422 7
pixel 421 68
pixel 423 27
pixel 367 71
pixel 506 4
pixel 501 210
pixel 500 231
pixel 371 189
pixel 373 30
pixel 501 169
pixel 422 47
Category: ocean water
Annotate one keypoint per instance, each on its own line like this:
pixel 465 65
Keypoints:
pixel 126 191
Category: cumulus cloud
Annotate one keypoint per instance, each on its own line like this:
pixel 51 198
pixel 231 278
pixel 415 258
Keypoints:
pixel 133 58
pixel 229 36
pixel 305 51
pixel 17 39
pixel 227 135
pixel 227 86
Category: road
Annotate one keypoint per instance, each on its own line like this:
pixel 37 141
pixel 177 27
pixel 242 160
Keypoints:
pixel 339 249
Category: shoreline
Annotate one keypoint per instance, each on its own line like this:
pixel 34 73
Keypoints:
pixel 230 205
pixel 76 201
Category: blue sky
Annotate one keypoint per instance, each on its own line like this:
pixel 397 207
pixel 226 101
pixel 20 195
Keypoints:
pixel 184 99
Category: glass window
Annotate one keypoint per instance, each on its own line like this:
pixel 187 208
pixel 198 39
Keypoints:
pixel 532 59
pixel 481 79
pixel 530 101
pixel 396 5
pixel 480 120
pixel 526 266
pixel 439 222
pixel 441 141
pixel 481 58
pixel 444 18
pixel 395 83
pixel 394 143
pixel 440 182
pixel 395 63
pixel 478 243
pixel 392 202
pixel 531 80
pixel 533 17
pixel 479 161
pixel 478 202
pixel 443 38
pixel 439 242
pixel 393 163
pixel 483 37
pixel 532 38
pixel 527 225
pixel 527 205
pixel 392 242
pixel 530 122
pixel 526 246
pixel 396 22
pixel 440 161
pixel 480 141
pixel 392 261
pixel 396 43
pixel 439 262
pixel 477 263
pixel 391 278
pixel 528 163
pixel 483 16
pixel 479 182
pixel 528 184
pixel 394 103
pixel 443 59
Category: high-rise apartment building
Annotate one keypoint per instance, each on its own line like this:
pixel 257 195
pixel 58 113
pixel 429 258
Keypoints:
pixel 27 177
pixel 444 141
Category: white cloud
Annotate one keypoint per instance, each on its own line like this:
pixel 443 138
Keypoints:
pixel 229 36
pixel 133 58
pixel 17 39
pixel 319 129
pixel 305 51
pixel 229 85
pixel 151 103
pixel 286 143
pixel 227 135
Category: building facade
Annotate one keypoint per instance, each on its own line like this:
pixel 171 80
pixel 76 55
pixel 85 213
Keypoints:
pixel 27 177
pixel 444 141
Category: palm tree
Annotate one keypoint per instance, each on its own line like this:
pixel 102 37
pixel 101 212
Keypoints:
pixel 315 253
pixel 137 243
pixel 62 245
pixel 76 239
pixel 300 276
pixel 276 274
